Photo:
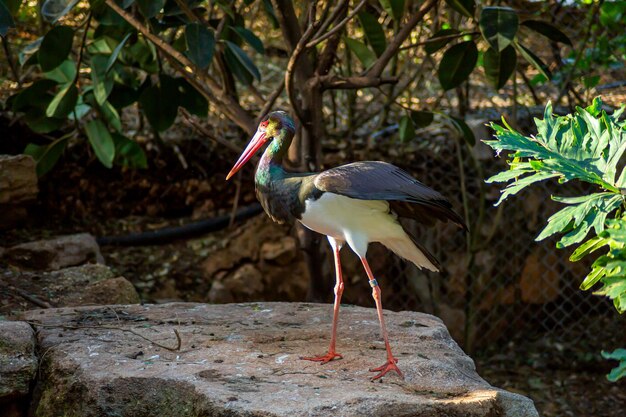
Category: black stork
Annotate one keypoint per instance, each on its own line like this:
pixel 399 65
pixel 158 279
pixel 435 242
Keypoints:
pixel 356 204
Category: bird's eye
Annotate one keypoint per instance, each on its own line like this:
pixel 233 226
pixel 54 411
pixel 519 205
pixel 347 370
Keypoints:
pixel 264 124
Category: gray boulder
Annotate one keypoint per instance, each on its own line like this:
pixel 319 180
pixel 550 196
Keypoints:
pixel 185 359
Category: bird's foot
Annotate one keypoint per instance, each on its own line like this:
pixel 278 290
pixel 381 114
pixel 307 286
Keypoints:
pixel 390 365
pixel 323 358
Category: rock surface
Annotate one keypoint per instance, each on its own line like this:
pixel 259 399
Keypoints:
pixel 89 284
pixel 242 360
pixel 53 254
pixel 18 362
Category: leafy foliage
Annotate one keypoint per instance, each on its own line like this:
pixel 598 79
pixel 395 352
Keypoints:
pixel 585 146
pixel 161 55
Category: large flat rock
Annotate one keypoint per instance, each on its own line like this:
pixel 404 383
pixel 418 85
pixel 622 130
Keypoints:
pixel 243 360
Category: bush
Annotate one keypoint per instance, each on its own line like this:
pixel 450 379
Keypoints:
pixel 587 146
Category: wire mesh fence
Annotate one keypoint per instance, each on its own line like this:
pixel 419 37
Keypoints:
pixel 503 282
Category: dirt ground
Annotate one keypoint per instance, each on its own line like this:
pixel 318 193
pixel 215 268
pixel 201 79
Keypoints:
pixel 563 373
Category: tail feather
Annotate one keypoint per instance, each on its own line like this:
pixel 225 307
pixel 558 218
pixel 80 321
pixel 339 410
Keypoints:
pixel 406 247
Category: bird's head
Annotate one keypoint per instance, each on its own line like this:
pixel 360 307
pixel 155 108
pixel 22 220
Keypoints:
pixel 272 126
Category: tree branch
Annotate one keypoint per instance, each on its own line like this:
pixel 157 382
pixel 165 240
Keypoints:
pixel 333 82
pixel 209 87
pixel 337 27
pixel 270 102
pixel 396 42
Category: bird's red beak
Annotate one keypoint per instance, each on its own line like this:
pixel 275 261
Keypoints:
pixel 256 142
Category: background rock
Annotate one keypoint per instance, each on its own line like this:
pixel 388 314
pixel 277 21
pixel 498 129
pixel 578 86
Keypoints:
pixel 53 254
pixel 90 284
pixel 18 365
pixel 242 360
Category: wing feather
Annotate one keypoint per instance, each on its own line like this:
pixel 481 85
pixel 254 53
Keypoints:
pixel 376 180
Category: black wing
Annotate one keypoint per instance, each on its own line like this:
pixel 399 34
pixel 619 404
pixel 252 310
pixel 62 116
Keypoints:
pixel 375 180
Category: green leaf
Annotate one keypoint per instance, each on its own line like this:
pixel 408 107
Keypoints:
pixel 160 103
pixel 102 84
pixel 111 116
pixel 464 130
pixel 433 44
pixel 549 31
pixel 53 10
pixel 129 153
pixel 498 26
pixel 63 102
pixel 244 60
pixel 620 370
pixel 64 73
pixel 422 118
pixel 362 52
pixel 101 142
pixel 55 47
pixel 499 66
pixel 533 60
pixel 250 38
pixel 394 8
pixel 592 278
pixel 6 20
pixel 588 247
pixel 457 64
pixel 38 122
pixel 28 54
pixel 191 99
pixel 31 95
pixel 465 7
pixel 406 129
pixel 200 44
pixel 150 8
pixel 46 156
pixel 374 32
pixel 116 53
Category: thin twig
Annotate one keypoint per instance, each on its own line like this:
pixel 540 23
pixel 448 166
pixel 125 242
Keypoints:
pixel 121 329
pixel 337 27
pixel 333 16
pixel 10 60
pixel 82 49
pixel 437 39
pixel 400 37
pixel 188 12
pixel 189 119
pixel 30 297
pixel 209 87
pixel 270 101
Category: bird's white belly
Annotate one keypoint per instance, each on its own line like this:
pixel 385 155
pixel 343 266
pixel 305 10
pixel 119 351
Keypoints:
pixel 347 219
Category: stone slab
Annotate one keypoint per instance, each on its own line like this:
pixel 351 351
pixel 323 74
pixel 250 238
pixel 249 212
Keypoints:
pixel 243 360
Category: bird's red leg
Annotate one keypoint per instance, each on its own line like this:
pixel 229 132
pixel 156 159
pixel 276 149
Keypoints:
pixel 390 365
pixel 332 354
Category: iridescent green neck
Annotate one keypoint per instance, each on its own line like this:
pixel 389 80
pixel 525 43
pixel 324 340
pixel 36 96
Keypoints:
pixel 270 164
